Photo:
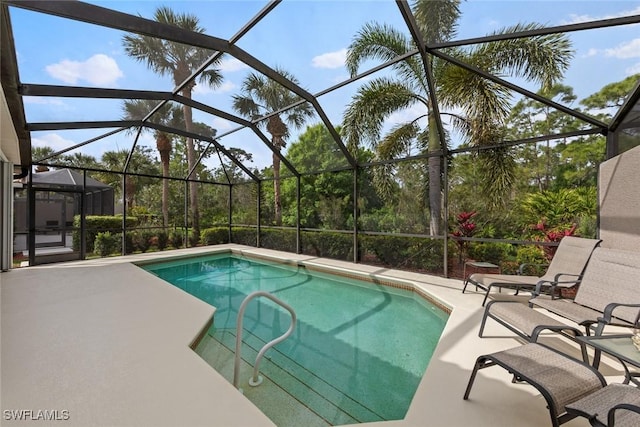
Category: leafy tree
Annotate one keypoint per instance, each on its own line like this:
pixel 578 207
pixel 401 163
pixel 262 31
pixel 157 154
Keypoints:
pixel 604 103
pixel 611 95
pixel 141 160
pixel 76 159
pixel 167 116
pixel 179 61
pixel 483 103
pixel 262 96
pixel 530 118
pixel 557 210
pixel 326 199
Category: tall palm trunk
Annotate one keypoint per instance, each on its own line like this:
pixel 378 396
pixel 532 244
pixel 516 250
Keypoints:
pixel 191 161
pixel 435 190
pixel 163 144
pixel 277 129
pixel 130 190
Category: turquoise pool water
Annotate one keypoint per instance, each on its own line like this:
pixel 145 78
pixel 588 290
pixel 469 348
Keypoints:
pixel 363 347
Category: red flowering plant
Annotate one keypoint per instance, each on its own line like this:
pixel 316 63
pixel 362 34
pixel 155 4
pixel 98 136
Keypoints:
pixel 464 227
pixel 551 235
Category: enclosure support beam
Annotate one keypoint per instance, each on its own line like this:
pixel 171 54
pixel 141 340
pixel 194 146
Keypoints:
pixel 230 211
pixel 445 202
pixel 32 220
pixel 6 215
pixel 356 254
pixel 298 245
pixel 185 237
pixel 123 250
pixel 83 216
pixel 259 214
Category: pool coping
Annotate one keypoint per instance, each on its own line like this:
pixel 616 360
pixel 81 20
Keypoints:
pixel 142 396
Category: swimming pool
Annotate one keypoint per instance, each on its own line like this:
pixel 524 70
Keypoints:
pixel 358 351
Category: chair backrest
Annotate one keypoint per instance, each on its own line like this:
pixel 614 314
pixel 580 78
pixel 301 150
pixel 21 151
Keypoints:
pixel 571 257
pixel 612 275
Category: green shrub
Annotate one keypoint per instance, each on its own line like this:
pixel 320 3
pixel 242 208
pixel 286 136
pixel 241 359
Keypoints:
pixel 281 240
pixel 534 257
pixel 409 253
pixel 491 252
pixel 142 240
pixel 244 236
pixel 193 239
pixel 215 236
pixel 106 243
pixel 162 239
pixel 95 224
pixel 176 238
pixel 328 244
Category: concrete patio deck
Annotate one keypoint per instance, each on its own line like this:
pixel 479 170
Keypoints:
pixel 104 343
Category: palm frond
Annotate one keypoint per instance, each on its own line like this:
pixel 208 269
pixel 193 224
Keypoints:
pixel 542 59
pixel 398 140
pixel 375 41
pixel 262 96
pixel 498 167
pixel 247 106
pixel 437 20
pixel 373 103
pixel 478 97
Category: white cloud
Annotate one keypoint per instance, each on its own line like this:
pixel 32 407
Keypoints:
pixel 330 60
pixel 625 50
pixel 52 140
pixel 408 115
pixel 591 52
pixel 343 77
pixel 634 69
pixel 232 64
pixel 42 100
pixel 221 124
pixel 576 19
pixel 99 70
pixel 204 89
pixel 226 87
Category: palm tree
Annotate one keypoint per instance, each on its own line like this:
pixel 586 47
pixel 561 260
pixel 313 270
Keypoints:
pixel 167 116
pixel 141 161
pixel 484 104
pixel 262 96
pixel 179 61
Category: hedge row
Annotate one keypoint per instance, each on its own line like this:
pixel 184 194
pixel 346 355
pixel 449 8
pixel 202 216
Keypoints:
pixel 412 253
pixel 408 253
pixel 396 252
pixel 95 224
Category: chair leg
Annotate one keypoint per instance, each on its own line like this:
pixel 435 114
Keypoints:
pixel 484 319
pixel 486 295
pixel 481 362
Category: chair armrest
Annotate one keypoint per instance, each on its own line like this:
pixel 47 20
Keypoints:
pixel 525 264
pixel 557 282
pixel 577 278
pixel 608 315
pixel 620 406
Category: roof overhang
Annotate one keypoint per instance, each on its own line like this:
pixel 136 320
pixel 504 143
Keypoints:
pixel 16 140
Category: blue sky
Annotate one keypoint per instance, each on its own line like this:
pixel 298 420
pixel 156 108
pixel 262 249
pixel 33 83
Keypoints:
pixel 307 38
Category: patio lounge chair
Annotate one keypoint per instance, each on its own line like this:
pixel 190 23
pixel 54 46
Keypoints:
pixel 560 379
pixel 608 295
pixel 565 269
pixel 615 405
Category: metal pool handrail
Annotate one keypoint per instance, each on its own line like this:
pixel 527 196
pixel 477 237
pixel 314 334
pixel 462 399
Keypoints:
pixel 257 379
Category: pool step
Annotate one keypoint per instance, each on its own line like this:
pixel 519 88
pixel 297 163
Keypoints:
pixel 331 404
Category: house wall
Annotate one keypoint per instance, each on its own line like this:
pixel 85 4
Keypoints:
pixel 619 200
pixel 6 215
